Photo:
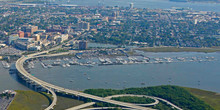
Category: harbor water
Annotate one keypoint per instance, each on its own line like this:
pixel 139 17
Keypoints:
pixel 196 74
pixel 152 4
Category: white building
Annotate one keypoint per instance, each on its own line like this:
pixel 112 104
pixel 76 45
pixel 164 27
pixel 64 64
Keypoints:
pixel 62 38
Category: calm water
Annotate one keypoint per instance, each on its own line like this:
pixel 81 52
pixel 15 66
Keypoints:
pixel 163 4
pixel 203 75
pixel 8 81
pixel 183 74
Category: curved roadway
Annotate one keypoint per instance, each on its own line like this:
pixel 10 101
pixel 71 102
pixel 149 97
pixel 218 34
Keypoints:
pixel 50 87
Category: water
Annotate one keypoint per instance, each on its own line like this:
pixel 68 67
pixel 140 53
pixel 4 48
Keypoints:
pixel 203 75
pixel 9 82
pixel 153 4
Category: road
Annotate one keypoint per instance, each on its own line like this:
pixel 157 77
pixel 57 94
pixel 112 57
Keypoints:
pixel 152 97
pixel 49 87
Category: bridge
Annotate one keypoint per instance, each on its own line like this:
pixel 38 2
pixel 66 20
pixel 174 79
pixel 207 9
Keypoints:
pixel 53 88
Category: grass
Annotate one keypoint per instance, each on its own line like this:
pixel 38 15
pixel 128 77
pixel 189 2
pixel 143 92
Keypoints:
pixel 30 100
pixel 65 102
pixel 211 98
pixel 176 49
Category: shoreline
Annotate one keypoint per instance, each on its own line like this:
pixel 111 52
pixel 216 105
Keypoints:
pixel 178 49
pixel 209 97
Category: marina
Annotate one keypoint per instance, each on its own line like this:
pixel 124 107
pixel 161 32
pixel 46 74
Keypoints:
pixel 105 61
pixel 184 69
pixel 191 69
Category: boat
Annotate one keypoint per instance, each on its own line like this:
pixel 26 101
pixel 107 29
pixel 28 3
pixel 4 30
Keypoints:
pixel 73 63
pixel 49 66
pixel 58 60
pixel 56 63
pixel 102 60
pixel 68 65
pixel 43 65
pixel 63 65
pixel 90 65
pixel 147 58
pixel 88 78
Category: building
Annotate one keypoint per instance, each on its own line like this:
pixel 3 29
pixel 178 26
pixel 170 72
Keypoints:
pixel 21 34
pixel 27 34
pixel 39 31
pixel 24 43
pixel 29 28
pixel 12 38
pixel 34 48
pixel 62 38
pixel 53 37
pixel 36 37
pixel 43 36
pixel 82 45
pixel 84 26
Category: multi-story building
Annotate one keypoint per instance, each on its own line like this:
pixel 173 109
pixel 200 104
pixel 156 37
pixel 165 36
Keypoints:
pixel 62 38
pixel 24 43
pixel 12 38
pixel 29 28
pixel 36 37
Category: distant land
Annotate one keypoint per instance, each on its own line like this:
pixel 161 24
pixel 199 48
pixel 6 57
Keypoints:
pixel 23 1
pixel 211 1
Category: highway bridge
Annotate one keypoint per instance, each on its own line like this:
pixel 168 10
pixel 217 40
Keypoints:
pixel 52 88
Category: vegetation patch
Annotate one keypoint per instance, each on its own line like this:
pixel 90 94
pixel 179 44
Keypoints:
pixel 30 100
pixel 176 95
pixel 65 102
pixel 211 98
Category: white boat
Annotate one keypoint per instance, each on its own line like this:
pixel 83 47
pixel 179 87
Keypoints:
pixel 63 65
pixel 58 60
pixel 68 65
pixel 102 60
pixel 49 66
pixel 90 65
pixel 56 63
pixel 43 65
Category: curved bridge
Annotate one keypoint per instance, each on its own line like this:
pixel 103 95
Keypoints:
pixel 51 88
